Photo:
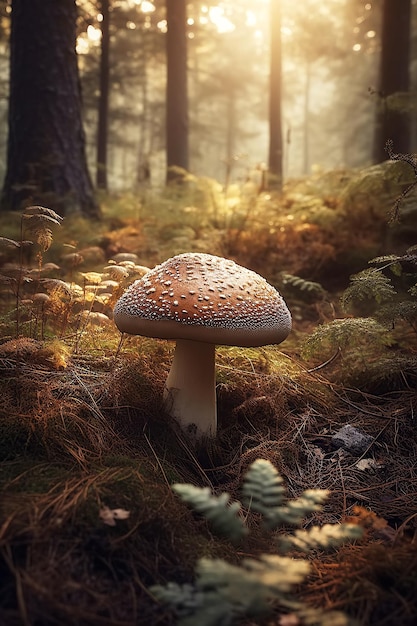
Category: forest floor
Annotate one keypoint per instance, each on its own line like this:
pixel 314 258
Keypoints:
pixel 88 519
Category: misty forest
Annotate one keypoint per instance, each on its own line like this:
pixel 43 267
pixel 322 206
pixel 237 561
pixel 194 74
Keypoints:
pixel 208 313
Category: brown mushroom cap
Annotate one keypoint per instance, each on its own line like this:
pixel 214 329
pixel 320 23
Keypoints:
pixel 204 298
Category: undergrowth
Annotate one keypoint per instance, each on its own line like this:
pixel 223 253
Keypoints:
pixel 224 593
pixel 84 433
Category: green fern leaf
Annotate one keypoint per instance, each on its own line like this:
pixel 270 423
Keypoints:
pixel 223 515
pixel 324 537
pixel 224 592
pixel 342 333
pixel 385 258
pixel 309 616
pixel 406 310
pixel 370 284
pixel 303 284
pixel 251 586
pixel 263 488
pixel 264 492
pixel 296 510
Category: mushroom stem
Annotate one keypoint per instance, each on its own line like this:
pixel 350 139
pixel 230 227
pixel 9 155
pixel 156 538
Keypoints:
pixel 190 389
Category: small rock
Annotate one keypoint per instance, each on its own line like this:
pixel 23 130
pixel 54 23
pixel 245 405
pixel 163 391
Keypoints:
pixel 351 439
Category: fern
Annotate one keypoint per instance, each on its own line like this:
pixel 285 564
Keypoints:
pixel 370 284
pixel 265 493
pixel 398 263
pixel 222 592
pixel 341 333
pixel 304 285
pixel 406 158
pixel 223 516
pixel 263 487
pixel 405 310
pixel 329 535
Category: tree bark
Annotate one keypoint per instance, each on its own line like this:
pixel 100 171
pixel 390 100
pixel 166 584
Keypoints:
pixel 46 161
pixel 176 93
pixel 393 122
pixel 103 104
pixel 275 94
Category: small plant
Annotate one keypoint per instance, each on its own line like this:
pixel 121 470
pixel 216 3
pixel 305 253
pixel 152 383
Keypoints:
pixel 222 592
pixel 36 220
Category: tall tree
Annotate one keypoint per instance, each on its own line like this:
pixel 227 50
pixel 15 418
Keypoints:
pixel 46 161
pixel 176 91
pixel 393 118
pixel 275 95
pixel 103 102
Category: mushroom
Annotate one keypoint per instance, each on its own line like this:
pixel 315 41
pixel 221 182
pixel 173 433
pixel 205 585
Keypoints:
pixel 201 300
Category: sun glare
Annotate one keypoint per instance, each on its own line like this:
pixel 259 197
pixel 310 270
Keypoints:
pixel 220 20
pixel 145 5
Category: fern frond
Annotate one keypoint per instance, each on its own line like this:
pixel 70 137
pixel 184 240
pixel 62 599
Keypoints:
pixel 370 284
pixel 263 488
pixel 405 310
pixel 399 263
pixel 296 510
pixel 391 261
pixel 319 537
pixel 223 515
pixel 309 616
pixel 303 284
pixel 184 599
pixel 264 492
pixel 341 333
pixel 224 592
pixel 385 258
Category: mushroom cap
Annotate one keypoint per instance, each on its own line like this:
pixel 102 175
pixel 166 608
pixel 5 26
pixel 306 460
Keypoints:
pixel 206 298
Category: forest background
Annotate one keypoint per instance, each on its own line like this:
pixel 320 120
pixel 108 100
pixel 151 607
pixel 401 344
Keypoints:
pixel 340 75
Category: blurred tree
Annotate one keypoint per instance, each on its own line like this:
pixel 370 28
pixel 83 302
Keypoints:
pixel 393 113
pixel 228 80
pixel 176 91
pixel 275 95
pixel 103 102
pixel 46 160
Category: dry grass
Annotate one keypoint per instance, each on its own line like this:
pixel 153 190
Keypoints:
pixel 83 427
pixel 95 434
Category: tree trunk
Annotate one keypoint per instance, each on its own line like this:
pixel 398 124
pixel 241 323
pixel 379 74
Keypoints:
pixel 393 122
pixel 177 93
pixel 275 92
pixel 103 105
pixel 46 161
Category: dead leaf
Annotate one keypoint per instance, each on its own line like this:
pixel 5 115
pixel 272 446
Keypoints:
pixel 109 516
